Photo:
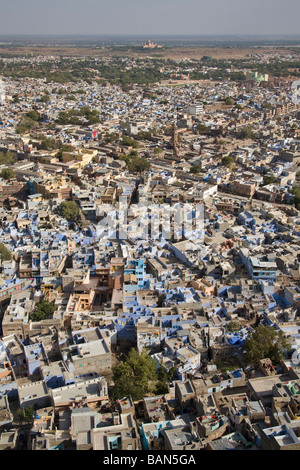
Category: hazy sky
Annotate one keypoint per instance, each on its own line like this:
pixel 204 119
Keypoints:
pixel 173 17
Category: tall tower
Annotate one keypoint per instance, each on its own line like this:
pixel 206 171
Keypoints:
pixel 2 93
pixel 174 139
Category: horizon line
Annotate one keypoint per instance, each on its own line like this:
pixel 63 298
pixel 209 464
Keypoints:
pixel 294 35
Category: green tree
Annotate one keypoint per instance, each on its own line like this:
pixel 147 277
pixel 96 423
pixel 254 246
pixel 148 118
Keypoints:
pixel 132 376
pixel 163 377
pixel 63 118
pixel 229 101
pixel 246 133
pixel 65 153
pixel 22 129
pixel 134 163
pixel 138 164
pixel 71 98
pixel 92 119
pixel 7 173
pixel 34 115
pixel 110 137
pixel 296 199
pixel 50 144
pixel 67 148
pixel 85 111
pixel 265 342
pixel 171 372
pixel 233 326
pixel 69 210
pixel 266 105
pixel 43 311
pixel 144 135
pixel 5 254
pixel 268 179
pixel 157 151
pixel 7 158
pixel 45 98
pixel 26 414
pixel 203 129
pixel 91 116
pixel 130 142
pixel 228 161
pixel 26 125
pixel 196 169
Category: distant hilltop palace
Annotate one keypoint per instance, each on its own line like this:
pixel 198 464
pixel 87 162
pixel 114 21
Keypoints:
pixel 151 45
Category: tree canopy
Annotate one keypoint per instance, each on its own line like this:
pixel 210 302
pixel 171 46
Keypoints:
pixel 7 158
pixel 43 311
pixel 233 326
pixel 246 133
pixel 268 179
pixel 129 141
pixel 196 169
pixel 45 98
pixel 229 101
pixel 26 414
pixel 34 115
pixel 7 173
pixel 132 376
pixel 135 164
pixel 266 342
pixel 69 210
pixel 50 144
pixel 296 199
pixel 203 129
pixel 5 254
pixel 82 116
pixel 228 161
pixel 26 125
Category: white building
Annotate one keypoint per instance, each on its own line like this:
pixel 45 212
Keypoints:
pixel 195 109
